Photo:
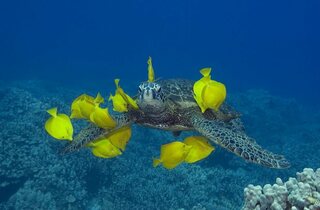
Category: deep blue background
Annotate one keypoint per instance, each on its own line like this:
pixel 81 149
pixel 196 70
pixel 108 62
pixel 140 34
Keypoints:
pixel 272 45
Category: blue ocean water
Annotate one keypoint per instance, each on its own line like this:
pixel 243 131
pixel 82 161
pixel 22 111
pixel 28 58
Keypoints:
pixel 266 53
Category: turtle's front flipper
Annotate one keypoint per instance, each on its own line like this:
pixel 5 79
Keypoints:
pixel 93 132
pixel 238 143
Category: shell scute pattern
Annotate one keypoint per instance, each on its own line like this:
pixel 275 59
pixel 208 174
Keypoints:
pixel 180 91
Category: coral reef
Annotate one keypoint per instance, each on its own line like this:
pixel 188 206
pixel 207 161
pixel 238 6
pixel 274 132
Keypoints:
pixel 302 192
pixel 34 175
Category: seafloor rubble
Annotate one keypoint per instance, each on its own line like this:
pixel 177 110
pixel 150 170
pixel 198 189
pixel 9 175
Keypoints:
pixel 34 176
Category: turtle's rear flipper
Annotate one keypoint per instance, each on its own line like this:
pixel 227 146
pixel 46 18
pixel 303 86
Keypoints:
pixel 238 143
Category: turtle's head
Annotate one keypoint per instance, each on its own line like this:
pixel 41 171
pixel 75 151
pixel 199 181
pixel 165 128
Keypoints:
pixel 150 96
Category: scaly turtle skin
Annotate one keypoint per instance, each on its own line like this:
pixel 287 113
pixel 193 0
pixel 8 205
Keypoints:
pixel 169 105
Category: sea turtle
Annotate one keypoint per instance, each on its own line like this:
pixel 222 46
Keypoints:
pixel 170 105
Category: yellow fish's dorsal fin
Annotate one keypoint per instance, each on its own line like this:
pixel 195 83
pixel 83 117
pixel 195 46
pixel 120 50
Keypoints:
pixel 116 81
pixel 99 99
pixel 150 70
pixel 206 72
pixel 53 111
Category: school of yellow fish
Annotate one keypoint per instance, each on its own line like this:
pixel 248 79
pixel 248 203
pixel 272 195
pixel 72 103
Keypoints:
pixel 209 94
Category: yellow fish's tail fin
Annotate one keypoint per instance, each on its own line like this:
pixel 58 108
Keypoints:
pixel 110 97
pixel 156 162
pixel 150 70
pixel 99 99
pixel 116 81
pixel 206 72
pixel 53 111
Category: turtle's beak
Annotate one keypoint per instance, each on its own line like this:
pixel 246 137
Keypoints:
pixel 148 102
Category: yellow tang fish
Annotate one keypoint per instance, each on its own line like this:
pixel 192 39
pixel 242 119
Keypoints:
pixel 121 100
pixel 119 104
pixel 150 70
pixel 120 138
pixel 214 94
pixel 128 99
pixel 59 125
pixel 102 118
pixel 84 105
pixel 200 148
pixel 208 93
pixel 172 154
pixel 87 107
pixel 104 148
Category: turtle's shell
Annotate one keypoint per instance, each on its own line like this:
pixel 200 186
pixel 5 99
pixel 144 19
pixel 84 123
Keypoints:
pixel 179 91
